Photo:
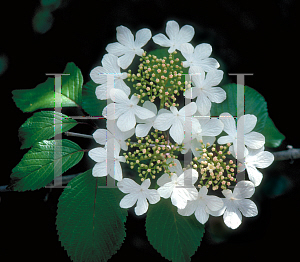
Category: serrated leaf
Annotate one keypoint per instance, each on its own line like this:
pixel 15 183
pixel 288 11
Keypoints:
pixel 36 169
pixel 90 103
pixel 90 222
pixel 43 96
pixel 174 236
pixel 254 104
pixel 44 125
pixel 273 137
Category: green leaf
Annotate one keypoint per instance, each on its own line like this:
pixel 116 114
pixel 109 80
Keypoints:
pixel 174 236
pixel 90 103
pixel 90 222
pixel 42 126
pixel 254 104
pixel 273 137
pixel 43 96
pixel 36 168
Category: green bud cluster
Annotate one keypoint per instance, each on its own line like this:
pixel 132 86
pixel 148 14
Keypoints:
pixel 158 78
pixel 150 154
pixel 215 169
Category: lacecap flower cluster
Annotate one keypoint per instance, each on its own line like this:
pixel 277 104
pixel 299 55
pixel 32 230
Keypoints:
pixel 152 133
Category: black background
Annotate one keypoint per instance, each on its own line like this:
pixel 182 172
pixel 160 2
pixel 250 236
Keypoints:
pixel 256 37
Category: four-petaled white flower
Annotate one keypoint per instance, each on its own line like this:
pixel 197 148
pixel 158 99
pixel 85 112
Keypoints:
pixel 177 36
pixel 204 88
pixel 257 158
pixel 237 203
pixel 179 188
pixel 100 75
pixel 101 136
pixel 125 110
pixel 126 48
pixel 199 56
pixel 200 205
pixel 245 124
pixel 144 126
pixel 137 193
pixel 181 121
pixel 108 160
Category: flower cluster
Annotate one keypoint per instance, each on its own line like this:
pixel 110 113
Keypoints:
pixel 157 133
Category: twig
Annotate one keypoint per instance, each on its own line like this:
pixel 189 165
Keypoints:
pixel 78 135
pixel 290 154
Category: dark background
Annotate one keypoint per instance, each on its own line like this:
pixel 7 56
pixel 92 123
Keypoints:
pixel 256 37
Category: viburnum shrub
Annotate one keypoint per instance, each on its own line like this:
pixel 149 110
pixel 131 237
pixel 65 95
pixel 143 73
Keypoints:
pixel 176 146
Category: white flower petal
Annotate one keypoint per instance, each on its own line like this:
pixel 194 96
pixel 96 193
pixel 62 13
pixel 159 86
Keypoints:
pixel 229 124
pixel 177 132
pixel 116 173
pixel 100 169
pixel 128 200
pixel 119 96
pixel 188 178
pixel 188 110
pixel 247 207
pixel 203 51
pixel 203 104
pixel 161 40
pixel 153 196
pixel 186 34
pixel 216 94
pixel 247 123
pixel 208 64
pixel 97 75
pixel 125 60
pixel 232 217
pixel 201 215
pixel 124 36
pixel 142 37
pixel 116 49
pixel 166 190
pixel 254 140
pixel 180 196
pixel 264 159
pixel 142 130
pixel 213 127
pixel 143 113
pixel 254 175
pixel 126 121
pixel 225 139
pixel 214 203
pixel 164 121
pixel 172 29
pixel 163 179
pixel 98 154
pixel 213 78
pixel 189 209
pixel 141 206
pixel 127 185
pixel 243 189
pixel 101 136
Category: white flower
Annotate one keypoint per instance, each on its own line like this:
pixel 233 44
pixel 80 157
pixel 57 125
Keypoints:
pixel 179 188
pixel 137 193
pixel 101 136
pixel 177 36
pixel 236 204
pixel 199 206
pixel 107 163
pixel 144 126
pixel 207 131
pixel 246 123
pixel 126 47
pixel 100 75
pixel 125 110
pixel 181 121
pixel 257 158
pixel 204 88
pixel 199 56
